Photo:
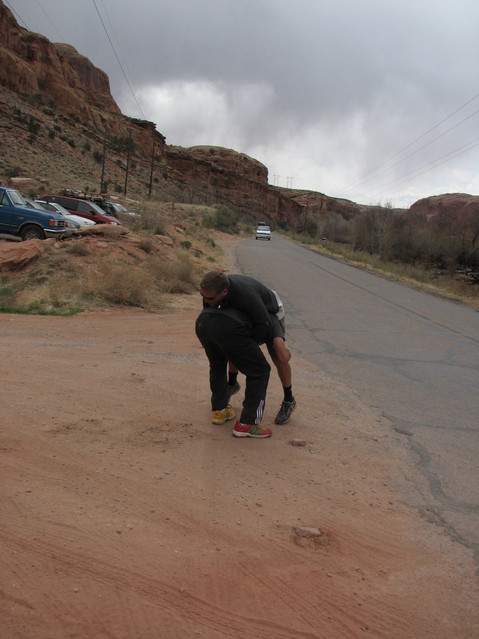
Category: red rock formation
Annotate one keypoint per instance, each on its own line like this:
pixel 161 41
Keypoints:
pixel 30 64
pixel 449 206
pixel 456 212
pixel 15 256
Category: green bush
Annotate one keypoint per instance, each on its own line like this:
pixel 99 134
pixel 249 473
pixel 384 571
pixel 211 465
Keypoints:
pixel 223 219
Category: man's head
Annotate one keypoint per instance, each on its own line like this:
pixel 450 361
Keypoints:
pixel 214 287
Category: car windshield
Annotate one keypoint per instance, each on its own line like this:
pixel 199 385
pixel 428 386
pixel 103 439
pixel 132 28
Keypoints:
pixel 62 210
pixel 96 208
pixel 119 207
pixel 16 198
pixel 45 205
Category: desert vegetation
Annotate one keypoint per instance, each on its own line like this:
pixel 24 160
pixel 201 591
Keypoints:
pixel 405 246
pixel 164 254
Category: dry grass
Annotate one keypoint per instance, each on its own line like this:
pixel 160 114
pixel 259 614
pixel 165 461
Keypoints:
pixel 136 270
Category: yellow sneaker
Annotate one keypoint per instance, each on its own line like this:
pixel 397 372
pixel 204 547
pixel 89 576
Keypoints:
pixel 222 416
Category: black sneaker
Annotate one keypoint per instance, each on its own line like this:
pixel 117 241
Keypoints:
pixel 285 411
pixel 233 389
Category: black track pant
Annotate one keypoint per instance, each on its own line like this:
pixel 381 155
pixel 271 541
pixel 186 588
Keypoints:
pixel 226 339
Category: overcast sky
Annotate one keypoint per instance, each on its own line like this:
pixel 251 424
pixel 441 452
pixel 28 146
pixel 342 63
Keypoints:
pixel 376 101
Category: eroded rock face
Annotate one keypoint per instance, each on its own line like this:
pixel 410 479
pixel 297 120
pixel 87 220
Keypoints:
pixel 449 209
pixel 30 64
pixel 15 256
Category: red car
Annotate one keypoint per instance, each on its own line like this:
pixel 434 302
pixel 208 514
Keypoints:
pixel 83 208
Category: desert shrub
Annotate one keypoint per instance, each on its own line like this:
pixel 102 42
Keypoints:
pixel 335 228
pixel 118 284
pixel 176 274
pixel 13 171
pixel 78 248
pixel 146 245
pixel 151 220
pixel 7 294
pixel 223 219
pixel 33 126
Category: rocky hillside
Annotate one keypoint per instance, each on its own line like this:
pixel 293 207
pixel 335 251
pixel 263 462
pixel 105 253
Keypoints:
pixel 57 116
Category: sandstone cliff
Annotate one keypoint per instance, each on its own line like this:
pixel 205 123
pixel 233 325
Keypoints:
pixel 442 209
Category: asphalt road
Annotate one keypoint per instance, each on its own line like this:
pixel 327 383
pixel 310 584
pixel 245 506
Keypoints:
pixel 411 356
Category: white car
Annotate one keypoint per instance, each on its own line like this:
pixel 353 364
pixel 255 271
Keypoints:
pixel 58 208
pixel 263 232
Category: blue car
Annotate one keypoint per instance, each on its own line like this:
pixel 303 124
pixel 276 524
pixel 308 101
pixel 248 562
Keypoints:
pixel 18 219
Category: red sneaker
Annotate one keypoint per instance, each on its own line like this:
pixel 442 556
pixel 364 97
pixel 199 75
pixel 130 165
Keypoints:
pixel 251 430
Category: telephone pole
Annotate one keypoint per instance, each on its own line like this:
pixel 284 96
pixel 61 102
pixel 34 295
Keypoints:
pixel 103 164
pixel 127 163
pixel 151 169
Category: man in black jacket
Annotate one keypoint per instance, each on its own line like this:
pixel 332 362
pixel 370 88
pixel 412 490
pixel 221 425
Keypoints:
pixel 265 310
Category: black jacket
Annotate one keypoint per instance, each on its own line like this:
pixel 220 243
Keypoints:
pixel 255 300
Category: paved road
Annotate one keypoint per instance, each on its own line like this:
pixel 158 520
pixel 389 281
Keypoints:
pixel 412 356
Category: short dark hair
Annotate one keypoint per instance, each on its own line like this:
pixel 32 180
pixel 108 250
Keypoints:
pixel 214 281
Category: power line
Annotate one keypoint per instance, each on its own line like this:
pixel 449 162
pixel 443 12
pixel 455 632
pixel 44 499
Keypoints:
pixel 369 176
pixel 438 162
pixel 428 144
pixel 49 20
pixel 19 18
pixel 119 62
pixel 117 41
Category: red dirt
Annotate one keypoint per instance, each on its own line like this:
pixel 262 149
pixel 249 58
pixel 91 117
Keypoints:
pixel 126 513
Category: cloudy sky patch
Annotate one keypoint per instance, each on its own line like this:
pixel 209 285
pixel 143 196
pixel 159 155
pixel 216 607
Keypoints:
pixel 373 100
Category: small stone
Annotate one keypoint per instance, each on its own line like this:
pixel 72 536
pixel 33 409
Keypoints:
pixel 308 532
pixel 297 442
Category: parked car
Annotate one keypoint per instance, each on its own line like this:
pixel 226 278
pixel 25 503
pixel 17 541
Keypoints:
pixel 35 204
pixel 263 232
pixel 82 207
pixel 114 208
pixel 81 222
pixel 19 219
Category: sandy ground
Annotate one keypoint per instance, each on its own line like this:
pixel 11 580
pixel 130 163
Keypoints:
pixel 126 514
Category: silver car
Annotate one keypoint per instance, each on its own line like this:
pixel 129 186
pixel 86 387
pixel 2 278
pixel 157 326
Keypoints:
pixel 263 232
pixel 80 222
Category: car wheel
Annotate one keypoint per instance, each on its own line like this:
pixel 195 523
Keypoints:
pixel 32 232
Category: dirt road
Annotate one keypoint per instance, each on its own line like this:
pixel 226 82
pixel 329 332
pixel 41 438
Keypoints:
pixel 126 513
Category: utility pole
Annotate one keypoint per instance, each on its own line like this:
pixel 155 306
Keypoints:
pixel 127 163
pixel 151 169
pixel 103 164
